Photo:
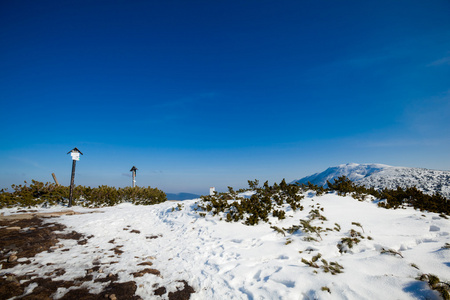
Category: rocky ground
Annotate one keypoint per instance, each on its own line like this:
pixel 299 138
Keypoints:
pixel 24 235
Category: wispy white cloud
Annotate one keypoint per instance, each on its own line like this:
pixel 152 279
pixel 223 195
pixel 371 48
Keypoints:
pixel 370 60
pixel 28 162
pixel 440 62
pixel 402 142
pixel 429 116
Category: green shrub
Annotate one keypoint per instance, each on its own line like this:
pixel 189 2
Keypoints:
pixel 391 252
pixel 39 193
pixel 264 202
pixel 396 198
pixel 313 187
pixel 332 267
pixel 436 284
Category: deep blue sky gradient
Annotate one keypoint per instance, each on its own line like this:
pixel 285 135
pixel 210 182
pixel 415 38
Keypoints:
pixel 213 93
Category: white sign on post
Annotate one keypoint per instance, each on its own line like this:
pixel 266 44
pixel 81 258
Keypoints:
pixel 75 155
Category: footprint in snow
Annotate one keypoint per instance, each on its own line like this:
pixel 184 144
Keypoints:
pixel 434 228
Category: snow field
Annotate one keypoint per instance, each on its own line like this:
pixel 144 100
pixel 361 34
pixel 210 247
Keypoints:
pixel 222 260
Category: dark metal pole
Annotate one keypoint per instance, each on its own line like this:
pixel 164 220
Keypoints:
pixel 72 182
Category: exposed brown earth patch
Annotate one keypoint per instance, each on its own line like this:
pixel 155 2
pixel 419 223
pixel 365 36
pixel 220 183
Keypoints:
pixel 26 242
pixel 153 237
pixel 30 214
pixel 146 271
pixel 117 250
pixel 160 291
pixel 182 294
pixel 23 236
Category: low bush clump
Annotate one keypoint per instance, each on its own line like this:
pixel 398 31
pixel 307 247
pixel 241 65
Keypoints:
pixel 391 252
pixel 268 200
pixel 393 198
pixel 333 267
pixel 436 284
pixel 265 202
pixel 354 238
pixel 38 193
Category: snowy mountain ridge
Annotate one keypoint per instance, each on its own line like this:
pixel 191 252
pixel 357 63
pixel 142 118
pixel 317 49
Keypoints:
pixel 382 176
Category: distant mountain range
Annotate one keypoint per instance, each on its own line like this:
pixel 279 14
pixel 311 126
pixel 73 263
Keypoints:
pixel 181 196
pixel 382 176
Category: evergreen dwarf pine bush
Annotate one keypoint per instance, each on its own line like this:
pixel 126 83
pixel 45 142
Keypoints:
pixel 265 202
pixel 39 193
pixel 396 198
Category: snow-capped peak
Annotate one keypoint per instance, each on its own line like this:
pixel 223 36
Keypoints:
pixel 382 176
pixel 353 171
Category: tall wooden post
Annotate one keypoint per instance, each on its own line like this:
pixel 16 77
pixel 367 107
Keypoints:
pixel 133 174
pixel 75 153
pixel 72 180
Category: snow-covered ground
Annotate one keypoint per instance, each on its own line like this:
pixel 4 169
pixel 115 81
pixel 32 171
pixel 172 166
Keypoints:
pixel 223 260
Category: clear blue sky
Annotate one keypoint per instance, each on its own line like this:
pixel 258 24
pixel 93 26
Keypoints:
pixel 214 93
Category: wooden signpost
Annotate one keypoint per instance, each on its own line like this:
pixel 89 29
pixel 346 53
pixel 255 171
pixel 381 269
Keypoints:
pixel 133 172
pixel 75 153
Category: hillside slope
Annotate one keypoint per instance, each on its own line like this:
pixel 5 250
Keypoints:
pixel 382 176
